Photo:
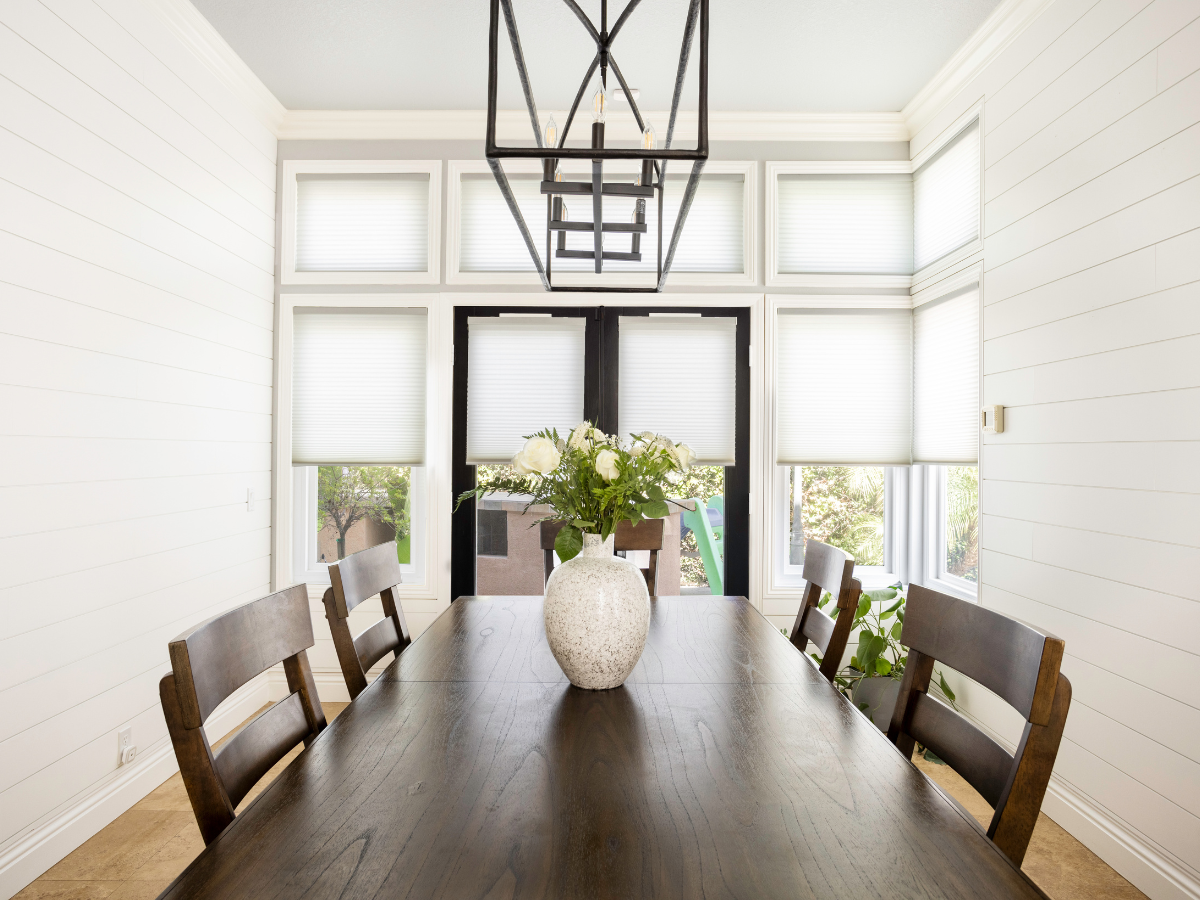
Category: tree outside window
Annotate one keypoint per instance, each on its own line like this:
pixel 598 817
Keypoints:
pixel 350 495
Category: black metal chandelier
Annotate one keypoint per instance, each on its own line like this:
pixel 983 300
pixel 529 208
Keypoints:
pixel 552 149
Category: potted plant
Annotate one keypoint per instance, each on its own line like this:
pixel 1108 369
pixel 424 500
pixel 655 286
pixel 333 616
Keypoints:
pixel 597 607
pixel 872 679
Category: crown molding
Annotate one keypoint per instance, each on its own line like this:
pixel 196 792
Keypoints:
pixel 469 124
pixel 1000 29
pixel 198 35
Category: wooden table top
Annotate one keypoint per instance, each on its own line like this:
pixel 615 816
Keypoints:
pixel 725 767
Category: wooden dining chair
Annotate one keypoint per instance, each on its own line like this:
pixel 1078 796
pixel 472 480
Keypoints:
pixel 354 579
pixel 1009 658
pixel 210 662
pixel 826 569
pixel 645 535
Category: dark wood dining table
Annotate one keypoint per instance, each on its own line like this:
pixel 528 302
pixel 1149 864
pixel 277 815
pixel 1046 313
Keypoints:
pixel 725 767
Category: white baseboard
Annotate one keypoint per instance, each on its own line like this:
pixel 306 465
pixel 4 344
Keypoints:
pixel 331 684
pixel 27 855
pixel 1139 860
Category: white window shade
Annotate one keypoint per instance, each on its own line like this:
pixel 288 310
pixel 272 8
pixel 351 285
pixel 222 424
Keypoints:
pixel 358 387
pixel 946 380
pixel 712 239
pixel 677 378
pixel 946 199
pixel 362 223
pixel 524 374
pixel 843 385
pixel 845 224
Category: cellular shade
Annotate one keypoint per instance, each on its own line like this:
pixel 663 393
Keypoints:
pixel 712 239
pixel 843 387
pixel 946 199
pixel 946 380
pixel 358 387
pixel 362 223
pixel 523 374
pixel 846 224
pixel 677 377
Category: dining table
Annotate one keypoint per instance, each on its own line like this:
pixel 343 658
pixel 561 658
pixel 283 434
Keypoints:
pixel 726 766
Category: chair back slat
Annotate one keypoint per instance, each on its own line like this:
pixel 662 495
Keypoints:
pixel 829 569
pixel 962 746
pixel 221 654
pixel 376 642
pixel 211 661
pixel 817 627
pixel 352 580
pixel 824 566
pixel 1002 654
pixel 364 574
pixel 252 751
pixel 1013 660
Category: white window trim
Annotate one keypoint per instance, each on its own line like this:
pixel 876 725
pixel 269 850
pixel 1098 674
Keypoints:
pixel 436 525
pixel 970 253
pixel 456 168
pixel 775 278
pixel 287 253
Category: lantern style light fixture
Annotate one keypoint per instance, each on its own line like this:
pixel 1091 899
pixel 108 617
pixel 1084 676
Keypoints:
pixel 551 147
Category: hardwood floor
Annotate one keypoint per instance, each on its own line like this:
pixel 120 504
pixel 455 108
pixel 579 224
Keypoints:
pixel 139 854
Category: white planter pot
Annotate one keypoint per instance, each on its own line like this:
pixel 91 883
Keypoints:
pixel 597 613
pixel 879 695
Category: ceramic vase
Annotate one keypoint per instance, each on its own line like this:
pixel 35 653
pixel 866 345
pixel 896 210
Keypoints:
pixel 597 613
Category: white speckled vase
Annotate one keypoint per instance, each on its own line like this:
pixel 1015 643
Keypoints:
pixel 597 615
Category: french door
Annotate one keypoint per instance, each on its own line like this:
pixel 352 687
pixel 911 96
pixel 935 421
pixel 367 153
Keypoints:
pixel 492 543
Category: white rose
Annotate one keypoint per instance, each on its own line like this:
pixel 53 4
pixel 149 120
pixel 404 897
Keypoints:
pixel 579 438
pixel 685 454
pixel 606 465
pixel 519 465
pixel 539 455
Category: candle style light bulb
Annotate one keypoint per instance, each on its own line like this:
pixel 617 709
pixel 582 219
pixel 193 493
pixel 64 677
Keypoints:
pixel 552 133
pixel 599 105
pixel 648 138
pixel 558 176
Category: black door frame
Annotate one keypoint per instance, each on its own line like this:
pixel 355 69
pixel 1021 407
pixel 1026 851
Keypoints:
pixel 600 393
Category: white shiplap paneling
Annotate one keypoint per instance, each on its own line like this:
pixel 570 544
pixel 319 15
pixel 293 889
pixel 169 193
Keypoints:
pixel 1090 496
pixel 137 209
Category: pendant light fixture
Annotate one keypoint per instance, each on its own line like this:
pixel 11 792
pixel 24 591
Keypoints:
pixel 551 147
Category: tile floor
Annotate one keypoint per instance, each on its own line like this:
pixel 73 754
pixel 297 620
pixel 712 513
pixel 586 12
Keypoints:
pixel 142 851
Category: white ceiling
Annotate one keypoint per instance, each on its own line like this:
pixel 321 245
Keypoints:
pixel 765 55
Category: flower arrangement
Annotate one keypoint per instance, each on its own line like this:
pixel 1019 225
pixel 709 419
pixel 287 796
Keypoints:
pixel 592 480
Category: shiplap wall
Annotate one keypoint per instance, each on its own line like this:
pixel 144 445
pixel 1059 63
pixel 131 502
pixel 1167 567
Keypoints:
pixel 137 207
pixel 1091 496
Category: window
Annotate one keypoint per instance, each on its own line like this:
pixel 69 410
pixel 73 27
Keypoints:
pixel 843 386
pixel 357 384
pixel 946 199
pixel 946 378
pixel 493 532
pixel 843 506
pixel 360 222
pixel 717 242
pixel 840 224
pixel 958 523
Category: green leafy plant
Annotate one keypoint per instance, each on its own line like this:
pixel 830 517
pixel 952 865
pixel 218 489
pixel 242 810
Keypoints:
pixel 879 621
pixel 592 481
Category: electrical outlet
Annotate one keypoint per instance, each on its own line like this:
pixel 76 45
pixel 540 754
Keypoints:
pixel 125 746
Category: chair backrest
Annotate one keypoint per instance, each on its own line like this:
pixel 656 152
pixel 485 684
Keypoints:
pixel 646 535
pixel 354 579
pixel 210 662
pixel 826 569
pixel 1014 661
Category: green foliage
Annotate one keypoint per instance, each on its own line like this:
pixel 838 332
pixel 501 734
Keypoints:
pixel 879 621
pixel 962 521
pixel 348 494
pixel 578 492
pixel 843 506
